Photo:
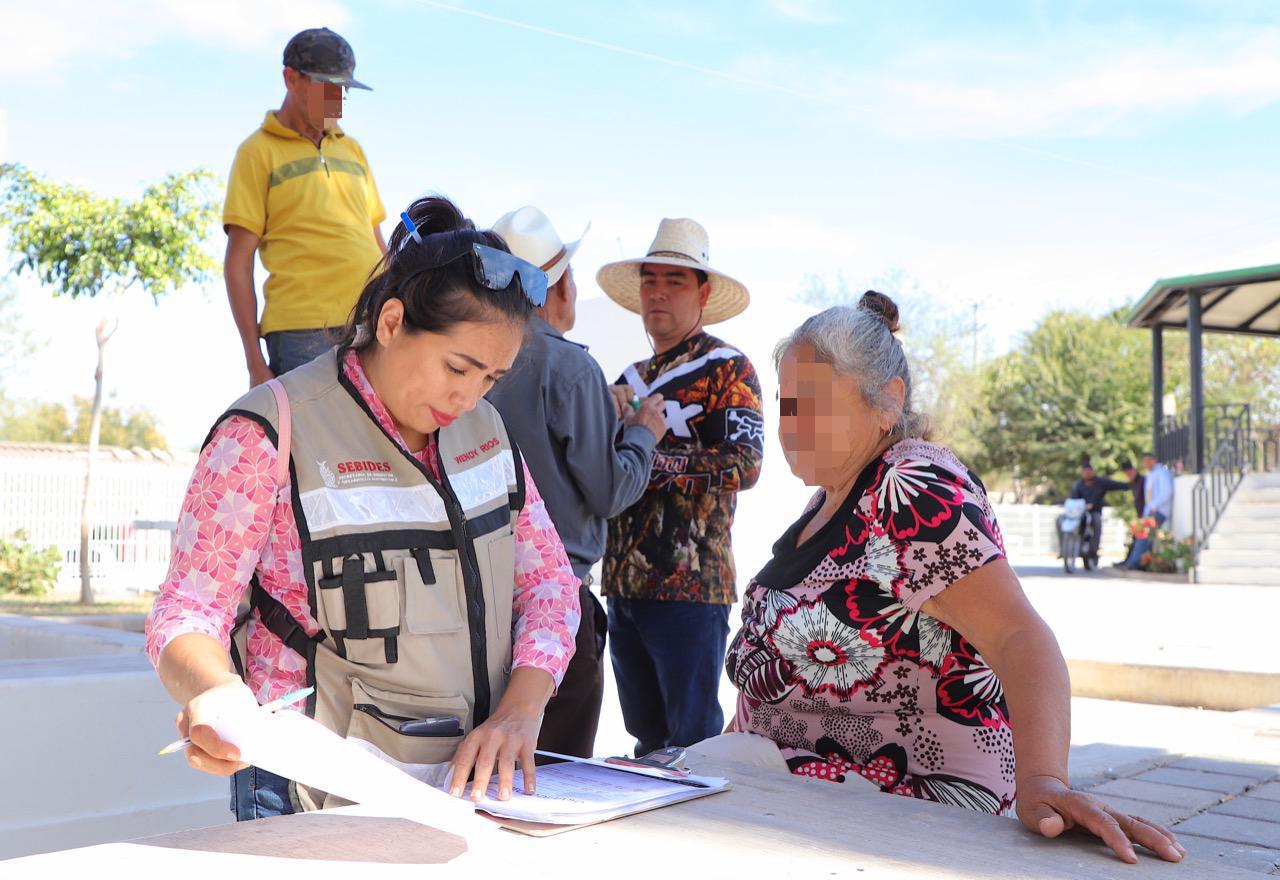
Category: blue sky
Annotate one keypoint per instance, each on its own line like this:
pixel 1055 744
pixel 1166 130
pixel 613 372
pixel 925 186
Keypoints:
pixel 1021 155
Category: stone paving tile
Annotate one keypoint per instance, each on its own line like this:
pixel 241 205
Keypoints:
pixel 1157 793
pixel 1256 772
pixel 1268 792
pixel 1220 783
pixel 1233 828
pixel 1250 808
pixel 1206 851
pixel 1163 814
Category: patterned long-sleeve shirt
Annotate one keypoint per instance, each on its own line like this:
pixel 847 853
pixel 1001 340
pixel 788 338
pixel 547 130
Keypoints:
pixel 674 544
pixel 233 524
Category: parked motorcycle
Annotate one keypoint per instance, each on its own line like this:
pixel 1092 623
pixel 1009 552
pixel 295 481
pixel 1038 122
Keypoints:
pixel 1075 531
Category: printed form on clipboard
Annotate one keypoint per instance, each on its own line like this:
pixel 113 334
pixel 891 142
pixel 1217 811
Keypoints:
pixel 585 791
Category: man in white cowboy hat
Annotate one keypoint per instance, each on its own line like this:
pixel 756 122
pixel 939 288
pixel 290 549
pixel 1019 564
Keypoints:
pixel 668 566
pixel 557 407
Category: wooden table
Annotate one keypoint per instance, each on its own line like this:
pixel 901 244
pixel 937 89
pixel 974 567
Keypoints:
pixel 769 825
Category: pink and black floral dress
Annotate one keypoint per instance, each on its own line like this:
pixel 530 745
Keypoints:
pixel 837 663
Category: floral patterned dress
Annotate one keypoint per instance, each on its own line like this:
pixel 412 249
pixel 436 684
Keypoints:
pixel 837 663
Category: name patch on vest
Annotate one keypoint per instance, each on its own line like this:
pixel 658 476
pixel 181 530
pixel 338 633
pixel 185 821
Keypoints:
pixel 470 454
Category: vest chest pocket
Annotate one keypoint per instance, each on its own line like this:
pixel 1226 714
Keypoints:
pixel 434 607
pixel 360 603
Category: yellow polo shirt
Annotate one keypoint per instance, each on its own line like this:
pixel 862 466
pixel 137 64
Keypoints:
pixel 314 209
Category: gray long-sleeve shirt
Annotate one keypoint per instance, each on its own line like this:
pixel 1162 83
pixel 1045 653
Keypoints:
pixel 558 409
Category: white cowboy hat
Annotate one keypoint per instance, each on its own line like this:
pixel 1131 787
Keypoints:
pixel 532 238
pixel 679 242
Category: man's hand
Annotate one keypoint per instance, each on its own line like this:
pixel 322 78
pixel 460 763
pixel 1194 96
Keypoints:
pixel 651 414
pixel 621 400
pixel 259 372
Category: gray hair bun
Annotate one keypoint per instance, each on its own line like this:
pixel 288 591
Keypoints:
pixel 882 307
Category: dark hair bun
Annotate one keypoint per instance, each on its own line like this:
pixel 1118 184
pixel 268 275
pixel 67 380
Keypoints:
pixel 882 307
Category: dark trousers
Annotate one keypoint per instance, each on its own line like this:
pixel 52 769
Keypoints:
pixel 1095 539
pixel 572 716
pixel 289 349
pixel 667 659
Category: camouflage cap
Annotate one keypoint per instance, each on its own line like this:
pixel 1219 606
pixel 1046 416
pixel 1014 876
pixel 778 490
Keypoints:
pixel 324 56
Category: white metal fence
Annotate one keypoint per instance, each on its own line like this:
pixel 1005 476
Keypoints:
pixel 135 500
pixel 1030 530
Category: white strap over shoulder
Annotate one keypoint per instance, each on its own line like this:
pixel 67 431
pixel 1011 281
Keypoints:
pixel 284 431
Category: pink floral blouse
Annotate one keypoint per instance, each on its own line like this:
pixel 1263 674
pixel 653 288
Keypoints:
pixel 233 523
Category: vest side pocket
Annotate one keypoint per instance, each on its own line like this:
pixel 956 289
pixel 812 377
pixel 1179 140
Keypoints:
pixel 497 556
pixel 431 608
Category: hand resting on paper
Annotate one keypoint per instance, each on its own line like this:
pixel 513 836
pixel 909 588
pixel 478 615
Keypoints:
pixel 509 735
pixel 208 751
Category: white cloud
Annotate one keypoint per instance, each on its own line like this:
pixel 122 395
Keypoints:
pixel 36 39
pixel 4 134
pixel 1070 89
pixel 812 11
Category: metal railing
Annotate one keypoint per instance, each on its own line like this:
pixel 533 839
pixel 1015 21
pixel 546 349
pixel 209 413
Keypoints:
pixel 1229 456
pixel 1173 442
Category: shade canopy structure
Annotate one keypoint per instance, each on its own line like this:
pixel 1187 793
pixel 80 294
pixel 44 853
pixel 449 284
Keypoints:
pixel 1242 301
pixel 1239 301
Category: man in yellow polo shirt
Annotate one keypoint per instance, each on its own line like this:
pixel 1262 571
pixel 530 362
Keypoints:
pixel 302 195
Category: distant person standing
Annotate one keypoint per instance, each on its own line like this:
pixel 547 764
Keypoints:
pixel 302 196
pixel 591 464
pixel 1158 508
pixel 668 568
pixel 1137 485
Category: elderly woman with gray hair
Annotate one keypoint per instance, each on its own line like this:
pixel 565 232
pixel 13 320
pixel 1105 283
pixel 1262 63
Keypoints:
pixel 889 639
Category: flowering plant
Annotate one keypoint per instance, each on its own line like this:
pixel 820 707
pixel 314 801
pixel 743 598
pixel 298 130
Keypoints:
pixel 1141 528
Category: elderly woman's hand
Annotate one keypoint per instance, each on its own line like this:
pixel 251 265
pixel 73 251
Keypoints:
pixel 1048 806
pixel 509 735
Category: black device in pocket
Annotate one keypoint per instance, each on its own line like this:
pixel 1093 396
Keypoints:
pixel 444 725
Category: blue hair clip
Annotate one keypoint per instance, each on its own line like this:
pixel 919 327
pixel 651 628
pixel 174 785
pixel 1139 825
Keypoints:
pixel 411 226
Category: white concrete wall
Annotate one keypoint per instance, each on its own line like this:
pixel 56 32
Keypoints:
pixel 1182 486
pixel 79 735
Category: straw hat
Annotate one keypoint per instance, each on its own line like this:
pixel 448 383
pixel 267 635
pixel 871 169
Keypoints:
pixel 679 242
pixel 532 238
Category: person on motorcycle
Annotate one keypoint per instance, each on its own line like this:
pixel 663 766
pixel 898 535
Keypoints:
pixel 1093 489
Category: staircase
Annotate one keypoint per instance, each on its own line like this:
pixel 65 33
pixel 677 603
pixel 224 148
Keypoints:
pixel 1244 547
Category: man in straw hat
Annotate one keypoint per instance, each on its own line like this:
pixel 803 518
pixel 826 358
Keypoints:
pixel 668 565
pixel 558 409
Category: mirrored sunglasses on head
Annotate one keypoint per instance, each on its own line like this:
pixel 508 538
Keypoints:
pixel 493 268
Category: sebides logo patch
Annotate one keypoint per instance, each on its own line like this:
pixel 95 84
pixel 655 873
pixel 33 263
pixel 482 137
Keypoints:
pixel 356 472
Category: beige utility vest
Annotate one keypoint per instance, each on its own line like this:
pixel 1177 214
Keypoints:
pixel 411 579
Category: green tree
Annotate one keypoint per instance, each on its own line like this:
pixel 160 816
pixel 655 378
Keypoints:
pixel 1077 386
pixel 37 423
pixel 80 244
pixel 137 427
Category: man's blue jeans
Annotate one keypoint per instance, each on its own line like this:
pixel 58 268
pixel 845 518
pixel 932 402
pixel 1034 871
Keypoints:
pixel 667 660
pixel 289 349
pixel 1142 546
pixel 257 794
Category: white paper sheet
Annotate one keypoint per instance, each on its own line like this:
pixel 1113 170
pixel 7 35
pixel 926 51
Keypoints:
pixel 580 792
pixel 291 745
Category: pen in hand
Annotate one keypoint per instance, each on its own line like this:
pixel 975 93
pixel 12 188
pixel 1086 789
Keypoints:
pixel 286 700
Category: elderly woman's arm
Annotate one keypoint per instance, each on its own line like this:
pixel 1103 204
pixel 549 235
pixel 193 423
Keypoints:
pixel 987 606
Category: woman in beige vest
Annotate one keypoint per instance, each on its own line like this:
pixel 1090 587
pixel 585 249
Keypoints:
pixel 395 552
